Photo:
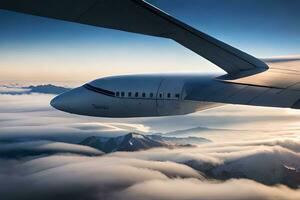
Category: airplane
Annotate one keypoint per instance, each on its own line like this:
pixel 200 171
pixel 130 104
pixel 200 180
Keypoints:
pixel 248 80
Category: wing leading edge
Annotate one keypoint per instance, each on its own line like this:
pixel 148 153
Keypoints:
pixel 138 16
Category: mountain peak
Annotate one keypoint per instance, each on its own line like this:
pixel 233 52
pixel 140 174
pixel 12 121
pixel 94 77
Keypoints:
pixel 135 135
pixel 136 141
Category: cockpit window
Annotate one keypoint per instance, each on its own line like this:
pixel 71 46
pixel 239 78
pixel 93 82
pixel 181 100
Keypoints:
pixel 98 90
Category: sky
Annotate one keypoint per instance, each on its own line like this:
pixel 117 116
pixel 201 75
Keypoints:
pixel 46 50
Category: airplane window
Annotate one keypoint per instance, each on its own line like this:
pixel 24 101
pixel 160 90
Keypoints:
pixel 117 94
pixel 122 94
pixel 129 94
pixel 160 95
pixel 177 95
pixel 169 95
pixel 151 95
pixel 136 94
pixel 143 94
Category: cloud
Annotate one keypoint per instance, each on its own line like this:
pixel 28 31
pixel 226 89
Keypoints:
pixel 110 127
pixel 236 189
pixel 268 162
pixel 250 170
pixel 282 59
pixel 13 90
pixel 85 177
pixel 33 148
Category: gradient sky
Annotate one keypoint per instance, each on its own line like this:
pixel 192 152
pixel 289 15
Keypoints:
pixel 39 49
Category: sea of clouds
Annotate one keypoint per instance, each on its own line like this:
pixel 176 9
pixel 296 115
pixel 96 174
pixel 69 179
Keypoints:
pixel 255 154
pixel 257 170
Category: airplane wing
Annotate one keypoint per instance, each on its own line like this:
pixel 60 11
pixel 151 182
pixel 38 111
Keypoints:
pixel 138 16
pixel 279 86
pixel 283 73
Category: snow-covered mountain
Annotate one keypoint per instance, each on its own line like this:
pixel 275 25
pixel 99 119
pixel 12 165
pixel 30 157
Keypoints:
pixel 135 142
pixel 129 142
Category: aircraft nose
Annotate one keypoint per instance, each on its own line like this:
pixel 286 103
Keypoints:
pixel 75 101
pixel 58 102
pixel 69 101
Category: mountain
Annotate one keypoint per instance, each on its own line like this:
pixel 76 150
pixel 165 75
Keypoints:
pixel 180 140
pixel 263 168
pixel 44 89
pixel 136 141
pixel 47 89
pixel 195 131
pixel 190 131
pixel 128 142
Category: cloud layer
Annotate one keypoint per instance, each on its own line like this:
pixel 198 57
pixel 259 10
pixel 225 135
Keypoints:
pixel 255 170
pixel 39 157
pixel 36 148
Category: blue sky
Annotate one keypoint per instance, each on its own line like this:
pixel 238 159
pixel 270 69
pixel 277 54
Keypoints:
pixel 34 48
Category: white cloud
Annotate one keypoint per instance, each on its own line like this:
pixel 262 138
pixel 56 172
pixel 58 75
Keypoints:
pixel 17 149
pixel 193 189
pixel 10 89
pixel 157 174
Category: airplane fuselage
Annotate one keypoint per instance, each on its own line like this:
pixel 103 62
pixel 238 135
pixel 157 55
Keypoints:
pixel 136 96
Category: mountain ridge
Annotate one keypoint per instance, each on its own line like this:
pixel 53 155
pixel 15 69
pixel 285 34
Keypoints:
pixel 135 142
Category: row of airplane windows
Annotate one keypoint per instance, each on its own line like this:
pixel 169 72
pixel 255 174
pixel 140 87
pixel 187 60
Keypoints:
pixel 143 95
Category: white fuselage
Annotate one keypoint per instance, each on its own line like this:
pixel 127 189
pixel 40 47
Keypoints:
pixel 134 96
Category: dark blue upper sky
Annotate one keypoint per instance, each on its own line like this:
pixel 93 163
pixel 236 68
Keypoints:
pixel 263 28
